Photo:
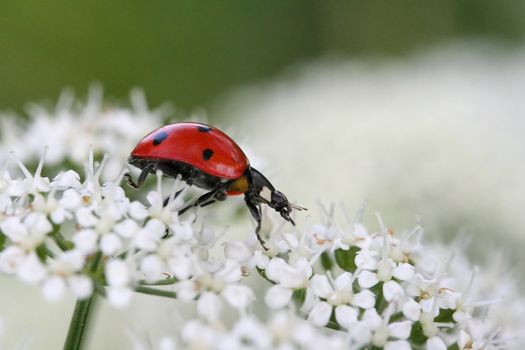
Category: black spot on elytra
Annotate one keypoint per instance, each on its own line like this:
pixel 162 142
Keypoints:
pixel 207 153
pixel 159 137
pixel 204 128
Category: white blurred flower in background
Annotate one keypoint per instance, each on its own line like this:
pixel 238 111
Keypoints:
pixel 438 135
pixel 73 126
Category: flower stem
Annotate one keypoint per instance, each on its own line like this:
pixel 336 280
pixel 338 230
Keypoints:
pixel 79 323
pixel 157 292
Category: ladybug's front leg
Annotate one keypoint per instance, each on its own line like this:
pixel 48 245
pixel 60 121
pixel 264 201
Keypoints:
pixel 142 177
pixel 256 213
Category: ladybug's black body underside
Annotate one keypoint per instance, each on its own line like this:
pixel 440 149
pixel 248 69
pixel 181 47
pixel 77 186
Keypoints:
pixel 172 168
pixel 257 190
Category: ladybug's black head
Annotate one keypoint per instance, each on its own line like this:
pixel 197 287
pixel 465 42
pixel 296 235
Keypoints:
pixel 262 191
pixel 280 203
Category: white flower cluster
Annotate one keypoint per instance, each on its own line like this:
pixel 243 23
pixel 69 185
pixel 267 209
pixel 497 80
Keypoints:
pixel 55 233
pixel 326 285
pixel 73 125
pixel 354 288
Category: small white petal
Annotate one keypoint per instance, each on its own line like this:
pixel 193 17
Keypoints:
pixel 68 179
pixel 180 267
pixel 295 276
pixel 74 259
pixel 209 306
pixel 274 269
pixel 154 199
pixel 81 286
pixel 345 315
pixel 85 217
pixel 361 333
pixel 230 272
pixel 392 290
pixel 435 343
pixel 186 290
pixel 321 286
pixel 400 330
pixel 11 258
pixel 238 296
pixel 260 260
pixel 367 279
pixel 152 267
pixel 118 273
pixel 70 200
pixel 145 242
pixel 86 241
pixel 126 228
pixel 13 229
pixel 137 211
pixel 384 269
pixel 277 297
pixel 365 260
pixel 344 280
pixel 155 228
pixel 53 288
pixel 397 345
pixel 365 299
pixel 110 244
pixel 38 224
pixel 461 316
pixel 238 251
pixel 31 270
pixel 119 297
pixel 372 319
pixel 59 215
pixel 182 231
pixel 251 332
pixel 16 188
pixel 404 272
pixel 411 310
pixel 320 314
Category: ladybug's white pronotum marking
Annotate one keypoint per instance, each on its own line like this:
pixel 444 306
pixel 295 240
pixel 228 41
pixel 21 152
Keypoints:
pixel 266 193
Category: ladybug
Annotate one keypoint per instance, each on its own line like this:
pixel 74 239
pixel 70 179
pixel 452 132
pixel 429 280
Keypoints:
pixel 206 157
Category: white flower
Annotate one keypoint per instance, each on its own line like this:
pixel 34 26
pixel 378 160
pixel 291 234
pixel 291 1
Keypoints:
pixel 118 273
pixel 287 278
pixel 65 271
pixel 338 294
pixel 238 251
pixel 238 296
pixel 209 306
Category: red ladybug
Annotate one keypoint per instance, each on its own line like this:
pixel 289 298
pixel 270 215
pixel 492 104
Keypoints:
pixel 208 158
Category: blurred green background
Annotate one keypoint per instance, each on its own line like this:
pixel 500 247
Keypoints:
pixel 192 52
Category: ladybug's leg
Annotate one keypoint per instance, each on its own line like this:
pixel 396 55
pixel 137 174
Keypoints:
pixel 166 201
pixel 142 177
pixel 256 213
pixel 217 194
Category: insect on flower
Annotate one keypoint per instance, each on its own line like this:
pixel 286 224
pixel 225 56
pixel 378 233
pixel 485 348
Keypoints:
pixel 206 157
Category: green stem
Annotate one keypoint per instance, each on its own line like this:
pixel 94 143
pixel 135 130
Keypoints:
pixel 79 324
pixel 157 292
pixel 165 282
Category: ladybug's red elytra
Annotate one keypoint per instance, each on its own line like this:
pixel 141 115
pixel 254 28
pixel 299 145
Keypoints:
pixel 206 157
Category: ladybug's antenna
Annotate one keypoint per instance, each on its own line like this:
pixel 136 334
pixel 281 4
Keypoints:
pixel 296 207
